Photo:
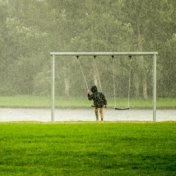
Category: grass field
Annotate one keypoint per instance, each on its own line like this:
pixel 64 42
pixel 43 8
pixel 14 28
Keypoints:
pixel 88 149
pixel 80 102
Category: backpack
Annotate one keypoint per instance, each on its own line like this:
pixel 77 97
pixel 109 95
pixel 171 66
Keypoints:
pixel 99 99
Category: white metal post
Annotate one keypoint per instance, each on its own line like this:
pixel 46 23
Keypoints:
pixel 53 87
pixel 154 87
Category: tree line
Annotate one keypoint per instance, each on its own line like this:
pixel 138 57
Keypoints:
pixel 31 29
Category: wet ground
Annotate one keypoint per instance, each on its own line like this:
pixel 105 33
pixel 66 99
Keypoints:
pixel 44 115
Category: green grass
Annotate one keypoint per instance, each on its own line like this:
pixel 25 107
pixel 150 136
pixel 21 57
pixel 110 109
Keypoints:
pixel 88 149
pixel 45 102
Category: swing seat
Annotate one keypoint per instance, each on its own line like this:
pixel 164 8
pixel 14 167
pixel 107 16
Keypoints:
pixel 121 108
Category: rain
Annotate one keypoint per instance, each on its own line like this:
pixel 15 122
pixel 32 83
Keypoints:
pixel 29 34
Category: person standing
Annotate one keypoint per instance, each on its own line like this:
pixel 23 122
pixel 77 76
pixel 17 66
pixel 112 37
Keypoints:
pixel 99 100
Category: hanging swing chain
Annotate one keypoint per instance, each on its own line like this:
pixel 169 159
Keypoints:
pixel 129 81
pixel 98 75
pixel 114 86
pixel 83 74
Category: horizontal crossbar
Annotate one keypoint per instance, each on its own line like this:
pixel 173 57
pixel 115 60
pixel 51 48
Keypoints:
pixel 101 53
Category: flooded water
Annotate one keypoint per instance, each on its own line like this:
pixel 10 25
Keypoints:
pixel 44 115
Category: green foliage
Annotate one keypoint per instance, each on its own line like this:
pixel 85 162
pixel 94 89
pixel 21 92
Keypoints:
pixel 30 29
pixel 88 149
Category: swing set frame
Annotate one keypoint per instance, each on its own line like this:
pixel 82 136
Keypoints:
pixel 94 54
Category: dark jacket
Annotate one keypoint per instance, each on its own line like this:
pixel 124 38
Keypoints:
pixel 97 97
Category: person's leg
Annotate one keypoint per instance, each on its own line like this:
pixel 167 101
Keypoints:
pixel 96 113
pixel 101 113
